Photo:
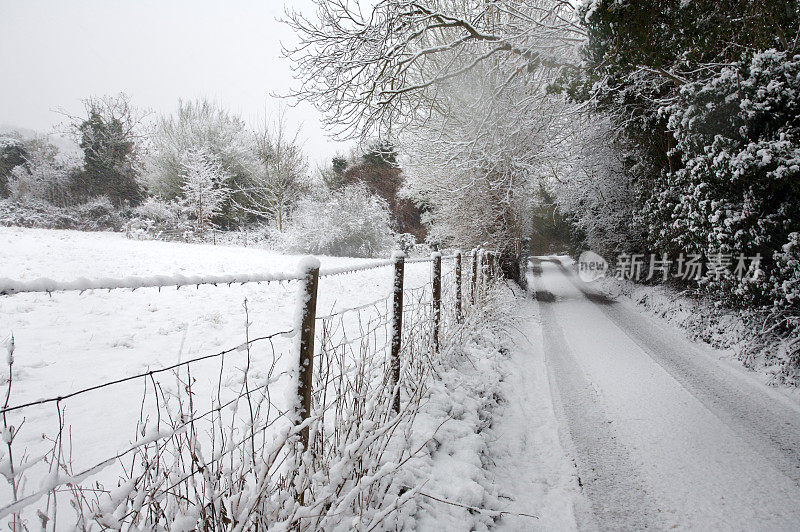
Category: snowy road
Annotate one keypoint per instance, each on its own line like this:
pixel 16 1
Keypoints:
pixel 662 434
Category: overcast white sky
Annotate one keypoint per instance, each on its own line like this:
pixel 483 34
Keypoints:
pixel 53 53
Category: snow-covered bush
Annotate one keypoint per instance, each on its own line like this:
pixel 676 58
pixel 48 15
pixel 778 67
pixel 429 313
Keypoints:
pixel 406 242
pixel 98 214
pixel 157 218
pixel 44 190
pixel 166 213
pixel 35 213
pixel 787 262
pixel 721 180
pixel 203 195
pixel 348 222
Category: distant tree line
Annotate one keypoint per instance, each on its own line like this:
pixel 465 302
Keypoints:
pixel 198 168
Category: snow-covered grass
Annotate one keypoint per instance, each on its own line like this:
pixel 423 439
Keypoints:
pixel 474 449
pixel 68 341
pixel 454 436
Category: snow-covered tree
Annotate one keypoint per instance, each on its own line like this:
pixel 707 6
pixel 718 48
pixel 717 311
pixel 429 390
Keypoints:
pixel 160 214
pixel 200 125
pixel 111 135
pixel 595 189
pixel 374 67
pixel 46 174
pixel 462 88
pixel 12 154
pixel 281 175
pixel 489 145
pixel 378 169
pixel 204 189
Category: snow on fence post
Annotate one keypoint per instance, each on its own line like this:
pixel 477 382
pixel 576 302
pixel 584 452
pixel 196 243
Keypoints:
pixel 458 286
pixel 397 324
pixel 490 270
pixel 309 268
pixel 437 297
pixel 474 280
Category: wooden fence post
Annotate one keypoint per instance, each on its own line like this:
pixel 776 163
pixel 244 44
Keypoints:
pixel 458 287
pixel 491 272
pixel 437 297
pixel 474 280
pixel 397 325
pixel 309 268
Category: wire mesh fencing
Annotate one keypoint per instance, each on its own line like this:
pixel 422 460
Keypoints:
pixel 224 442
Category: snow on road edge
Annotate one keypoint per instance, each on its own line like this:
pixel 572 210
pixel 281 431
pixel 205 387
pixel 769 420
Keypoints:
pixel 721 331
pixel 498 447
pixel 533 467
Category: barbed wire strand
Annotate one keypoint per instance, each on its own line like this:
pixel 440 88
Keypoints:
pixel 10 287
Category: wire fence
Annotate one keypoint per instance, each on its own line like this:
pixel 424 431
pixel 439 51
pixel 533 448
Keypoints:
pixel 44 285
pixel 224 443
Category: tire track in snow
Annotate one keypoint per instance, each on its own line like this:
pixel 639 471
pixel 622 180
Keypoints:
pixel 606 473
pixel 769 423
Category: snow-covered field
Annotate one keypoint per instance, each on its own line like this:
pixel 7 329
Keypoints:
pixel 67 341
pixel 486 419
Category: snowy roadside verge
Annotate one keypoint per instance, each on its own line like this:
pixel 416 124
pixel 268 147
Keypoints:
pixel 452 429
pixel 532 468
pixel 496 459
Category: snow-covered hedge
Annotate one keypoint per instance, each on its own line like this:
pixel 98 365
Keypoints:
pixel 349 222
pixel 96 215
pixel 737 135
pixel 155 217
pixel 736 193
